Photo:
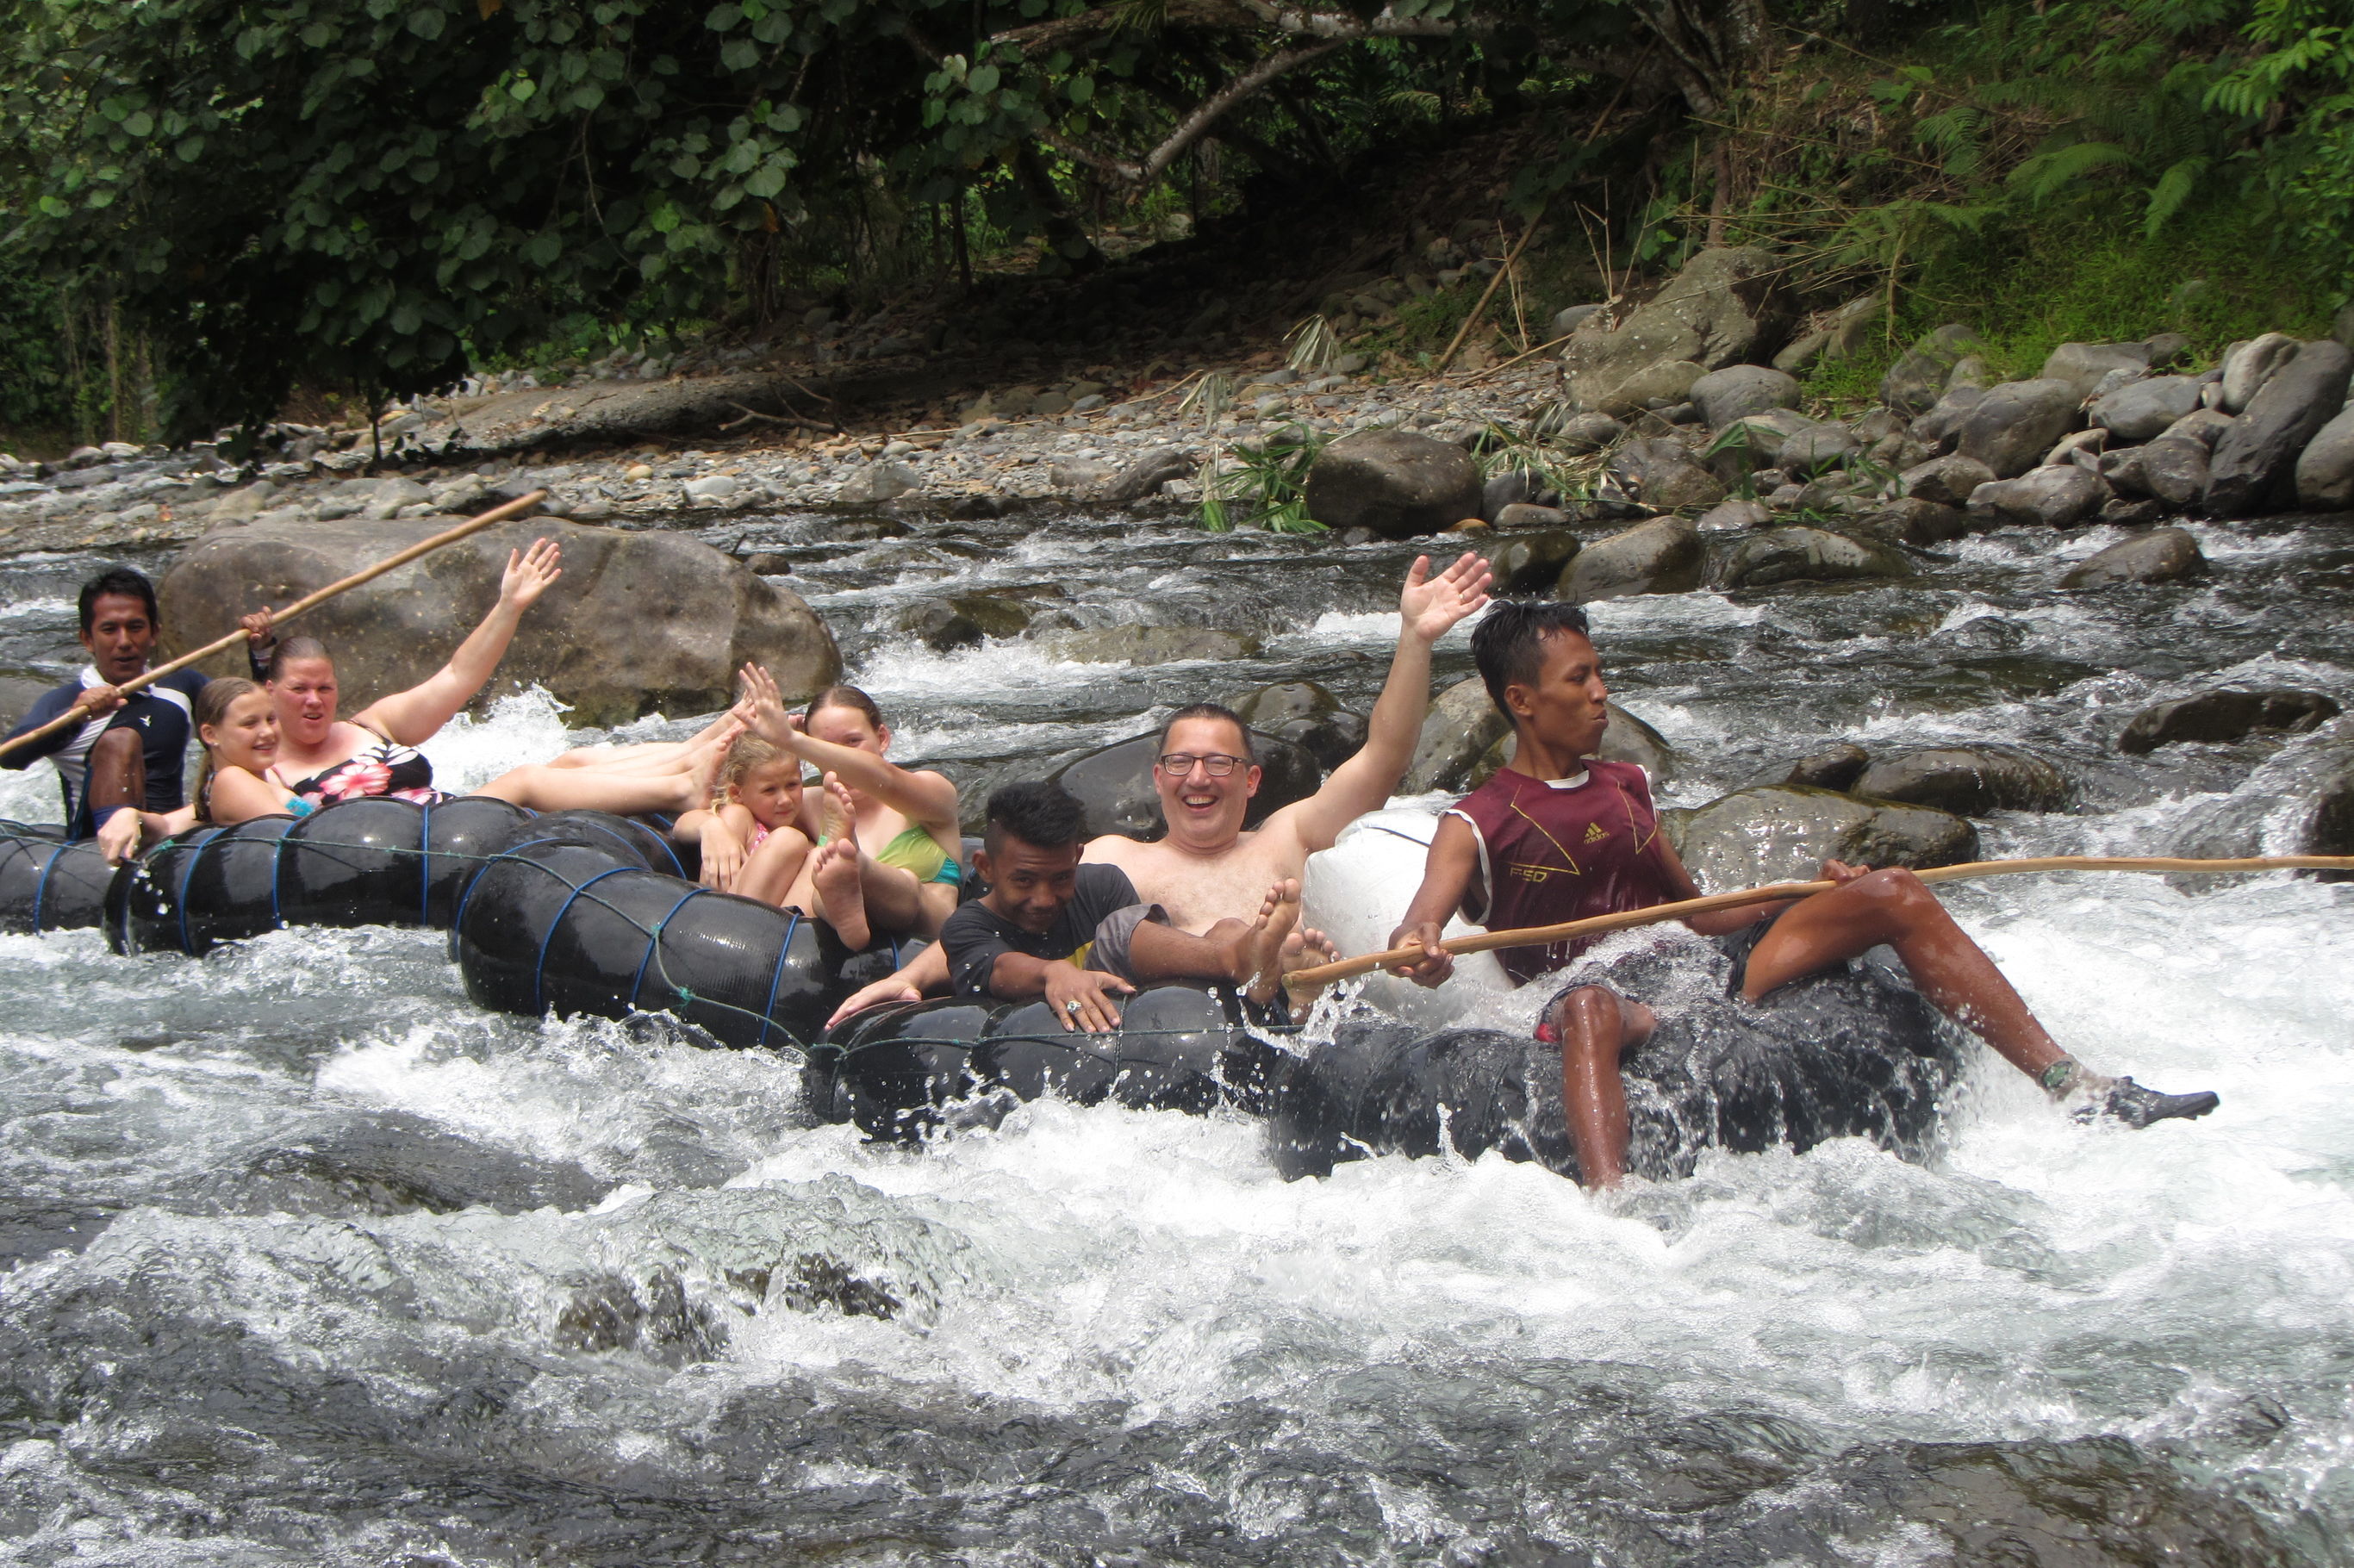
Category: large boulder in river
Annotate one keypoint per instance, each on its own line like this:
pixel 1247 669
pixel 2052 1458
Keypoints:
pixel 639 622
pixel 1394 482
pixel 2172 470
pixel 1726 307
pixel 1738 390
pixel 1913 520
pixel 2012 427
pixel 1948 480
pixel 2325 474
pixel 2055 496
pixel 1968 780
pixel 2142 411
pixel 2226 713
pixel 1531 562
pixel 1307 715
pixel 1784 832
pixel 1808 555
pixel 2160 556
pixel 1664 556
pixel 1114 784
pixel 2253 468
pixel 1665 475
pixel 1144 645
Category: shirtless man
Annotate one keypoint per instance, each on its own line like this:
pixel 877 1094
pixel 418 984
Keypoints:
pixel 1208 868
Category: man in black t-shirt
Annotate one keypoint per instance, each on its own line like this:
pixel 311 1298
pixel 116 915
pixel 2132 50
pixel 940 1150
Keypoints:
pixel 1077 934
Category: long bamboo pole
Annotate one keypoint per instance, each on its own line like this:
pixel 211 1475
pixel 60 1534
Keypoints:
pixel 1542 936
pixel 310 601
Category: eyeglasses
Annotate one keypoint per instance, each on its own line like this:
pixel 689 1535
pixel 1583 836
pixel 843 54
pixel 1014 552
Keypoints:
pixel 1216 764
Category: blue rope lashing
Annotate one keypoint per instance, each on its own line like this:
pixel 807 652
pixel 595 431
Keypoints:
pixel 777 976
pixel 181 898
pixel 467 897
pixel 277 869
pixel 653 941
pixel 539 969
pixel 425 871
pixel 41 886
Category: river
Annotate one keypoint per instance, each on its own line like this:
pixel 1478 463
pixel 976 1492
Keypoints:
pixel 311 1261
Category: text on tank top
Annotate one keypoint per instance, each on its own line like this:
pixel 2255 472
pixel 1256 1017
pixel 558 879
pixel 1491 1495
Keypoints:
pixel 1563 850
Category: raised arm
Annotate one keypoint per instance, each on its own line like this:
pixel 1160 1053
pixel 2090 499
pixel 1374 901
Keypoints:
pixel 411 717
pixel 925 799
pixel 1429 608
pixel 1447 875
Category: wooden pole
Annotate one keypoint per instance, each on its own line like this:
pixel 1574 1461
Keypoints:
pixel 1479 310
pixel 422 547
pixel 1542 936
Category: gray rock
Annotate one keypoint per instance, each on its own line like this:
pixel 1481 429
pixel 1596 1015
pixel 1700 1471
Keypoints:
pixel 1521 515
pixel 1724 396
pixel 1835 769
pixel 716 490
pixel 640 620
pixel 1817 450
pixel 393 495
pixel 1509 487
pixel 1080 475
pixel 768 564
pixel 1734 516
pixel 2204 425
pixel 1917 380
pixel 1531 562
pixel 1307 715
pixel 1755 441
pixel 1968 780
pixel 2254 463
pixel 1663 472
pixel 1146 474
pixel 878 481
pixel 1150 645
pixel 1948 481
pixel 2144 410
pixel 1843 332
pixel 2248 365
pixel 1726 307
pixel 1574 432
pixel 938 625
pixel 1660 556
pixel 1972 372
pixel 2056 497
pixel 17 696
pixel 2341 329
pixel 1462 724
pixel 1626 739
pixel 1785 832
pixel 2016 423
pixel 2163 555
pixel 1808 555
pixel 1915 520
pixel 2172 470
pixel 1655 386
pixel 2325 473
pixel 1395 482
pixel 1114 784
pixel 2226 713
pixel 1568 321
pixel 1941 427
pixel 2083 365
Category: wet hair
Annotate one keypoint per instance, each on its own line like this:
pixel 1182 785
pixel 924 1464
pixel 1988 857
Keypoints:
pixel 1509 643
pixel 122 581
pixel 1209 711
pixel 748 752
pixel 292 648
pixel 1038 812
pixel 849 697
pixel 211 707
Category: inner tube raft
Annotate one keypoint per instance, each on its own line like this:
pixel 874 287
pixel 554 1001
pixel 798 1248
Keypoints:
pixel 1854 1052
pixel 48 885
pixel 896 1070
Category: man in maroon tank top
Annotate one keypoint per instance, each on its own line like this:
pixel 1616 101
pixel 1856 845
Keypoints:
pixel 1559 835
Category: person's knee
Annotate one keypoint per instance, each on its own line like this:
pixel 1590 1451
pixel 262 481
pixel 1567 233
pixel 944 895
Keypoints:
pixel 1589 1014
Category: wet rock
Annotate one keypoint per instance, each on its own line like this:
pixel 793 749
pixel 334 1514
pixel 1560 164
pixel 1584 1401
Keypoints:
pixel 1461 726
pixel 2057 497
pixel 1785 832
pixel 1395 482
pixel 2163 555
pixel 1150 645
pixel 639 622
pixel 391 1163
pixel 1726 307
pixel 1917 380
pixel 1914 520
pixel 17 696
pixel 1836 769
pixel 2254 463
pixel 1531 562
pixel 2083 365
pixel 1948 481
pixel 2248 365
pixel 1114 784
pixel 2016 423
pixel 2125 512
pixel 2172 470
pixel 2143 409
pixel 878 481
pixel 1308 716
pixel 863 530
pixel 2325 473
pixel 1144 475
pixel 939 626
pixel 1563 425
pixel 768 564
pixel 1626 739
pixel 1726 395
pixel 1659 557
pixel 1512 487
pixel 1665 475
pixel 1941 427
pixel 1734 516
pixel 2204 425
pixel 2227 714
pixel 1522 516
pixel 1968 780
pixel 1808 555
pixel 2082 449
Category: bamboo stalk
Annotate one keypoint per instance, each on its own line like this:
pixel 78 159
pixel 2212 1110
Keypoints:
pixel 1542 936
pixel 310 602
pixel 1494 283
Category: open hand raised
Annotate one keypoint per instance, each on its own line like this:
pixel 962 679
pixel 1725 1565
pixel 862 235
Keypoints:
pixel 763 707
pixel 1431 606
pixel 530 572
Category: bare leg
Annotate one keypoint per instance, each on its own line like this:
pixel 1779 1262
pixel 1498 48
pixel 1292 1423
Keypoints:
pixel 1597 1028
pixel 893 896
pixel 834 880
pixel 683 787
pixel 773 873
pixel 118 772
pixel 1249 954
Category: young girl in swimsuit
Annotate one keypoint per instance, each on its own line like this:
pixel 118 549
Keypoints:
pixel 910 883
pixel 756 841
pixel 237 725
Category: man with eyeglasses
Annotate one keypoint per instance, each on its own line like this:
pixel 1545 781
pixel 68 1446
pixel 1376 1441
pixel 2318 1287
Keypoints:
pixel 1207 868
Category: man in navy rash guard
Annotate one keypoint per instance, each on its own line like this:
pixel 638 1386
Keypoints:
pixel 125 751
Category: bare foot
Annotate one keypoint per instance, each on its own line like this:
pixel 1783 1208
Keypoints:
pixel 1259 968
pixel 699 773
pixel 841 897
pixel 1304 950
